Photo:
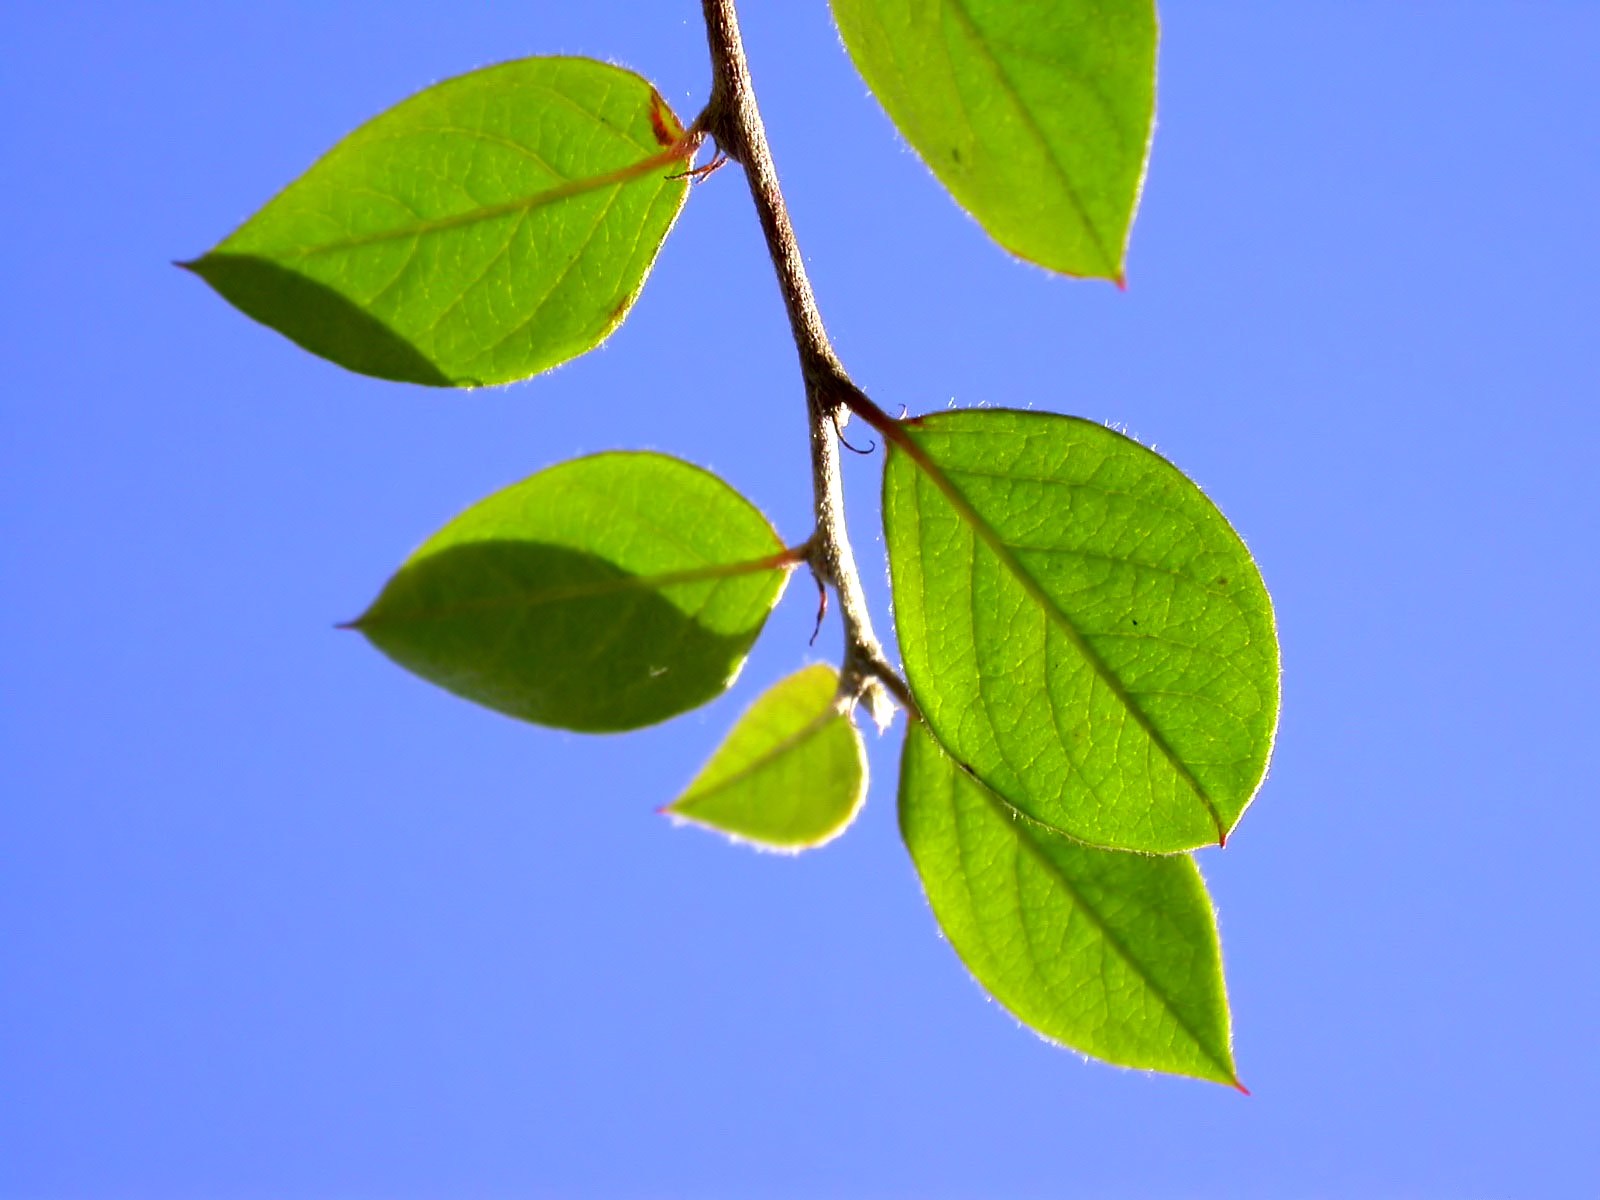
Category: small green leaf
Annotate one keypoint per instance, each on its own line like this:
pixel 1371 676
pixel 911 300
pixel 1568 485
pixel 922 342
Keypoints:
pixel 1113 954
pixel 1081 627
pixel 601 594
pixel 1036 114
pixel 482 231
pixel 792 773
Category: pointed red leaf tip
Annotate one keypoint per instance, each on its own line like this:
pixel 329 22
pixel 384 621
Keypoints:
pixel 1122 282
pixel 1241 1087
pixel 1222 838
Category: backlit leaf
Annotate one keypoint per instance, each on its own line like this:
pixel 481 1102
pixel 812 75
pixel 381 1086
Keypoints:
pixel 484 230
pixel 1111 953
pixel 792 773
pixel 601 594
pixel 1080 626
pixel 1036 114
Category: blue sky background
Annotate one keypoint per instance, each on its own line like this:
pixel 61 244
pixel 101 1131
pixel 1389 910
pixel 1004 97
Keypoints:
pixel 277 919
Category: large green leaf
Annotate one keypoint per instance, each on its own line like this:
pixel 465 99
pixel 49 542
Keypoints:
pixel 1081 627
pixel 1114 954
pixel 484 230
pixel 792 773
pixel 1036 114
pixel 601 594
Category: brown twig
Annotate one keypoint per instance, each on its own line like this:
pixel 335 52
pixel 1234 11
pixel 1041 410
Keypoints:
pixel 732 118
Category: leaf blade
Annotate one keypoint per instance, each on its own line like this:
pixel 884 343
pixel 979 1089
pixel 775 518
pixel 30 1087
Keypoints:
pixel 1035 116
pixel 1081 626
pixel 481 231
pixel 791 774
pixel 1111 953
pixel 601 594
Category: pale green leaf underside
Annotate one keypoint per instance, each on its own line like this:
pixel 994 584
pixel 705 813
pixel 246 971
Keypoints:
pixel 482 231
pixel 1111 953
pixel 601 594
pixel 1081 627
pixel 791 774
pixel 1036 114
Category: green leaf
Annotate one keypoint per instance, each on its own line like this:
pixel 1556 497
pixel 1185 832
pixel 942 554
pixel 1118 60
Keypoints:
pixel 601 594
pixel 482 231
pixel 1081 627
pixel 1113 954
pixel 792 773
pixel 1036 114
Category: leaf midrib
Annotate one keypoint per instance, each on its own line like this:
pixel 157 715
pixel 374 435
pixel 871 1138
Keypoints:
pixel 582 591
pixel 1023 825
pixel 1069 186
pixel 565 190
pixel 998 547
pixel 762 761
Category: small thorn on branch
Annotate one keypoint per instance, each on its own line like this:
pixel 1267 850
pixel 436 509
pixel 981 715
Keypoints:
pixel 704 171
pixel 846 443
pixel 822 605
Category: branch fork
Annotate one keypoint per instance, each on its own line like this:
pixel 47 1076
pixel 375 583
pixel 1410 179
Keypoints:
pixel 733 121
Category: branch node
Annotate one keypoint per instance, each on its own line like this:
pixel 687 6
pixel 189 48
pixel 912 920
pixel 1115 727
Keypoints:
pixel 732 118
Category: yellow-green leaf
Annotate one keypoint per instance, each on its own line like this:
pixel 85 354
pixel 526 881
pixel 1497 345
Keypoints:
pixel 482 231
pixel 1111 953
pixel 791 774
pixel 1081 626
pixel 1036 114
pixel 601 594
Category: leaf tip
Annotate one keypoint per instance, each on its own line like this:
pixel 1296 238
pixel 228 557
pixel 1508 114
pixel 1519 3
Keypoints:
pixel 1239 1087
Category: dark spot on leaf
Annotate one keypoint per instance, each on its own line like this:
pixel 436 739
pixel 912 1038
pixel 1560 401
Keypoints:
pixel 1135 620
pixel 661 120
pixel 1222 581
pixel 955 155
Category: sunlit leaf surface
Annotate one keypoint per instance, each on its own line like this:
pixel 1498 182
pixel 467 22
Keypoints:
pixel 601 594
pixel 484 230
pixel 1036 114
pixel 1111 953
pixel 791 774
pixel 1081 626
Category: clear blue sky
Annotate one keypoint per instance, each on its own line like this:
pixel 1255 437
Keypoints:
pixel 277 919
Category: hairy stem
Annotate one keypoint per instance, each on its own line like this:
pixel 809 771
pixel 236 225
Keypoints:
pixel 732 118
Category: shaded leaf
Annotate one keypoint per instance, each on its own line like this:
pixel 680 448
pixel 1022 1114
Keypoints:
pixel 482 231
pixel 1111 953
pixel 1081 626
pixel 791 774
pixel 1036 114
pixel 601 594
